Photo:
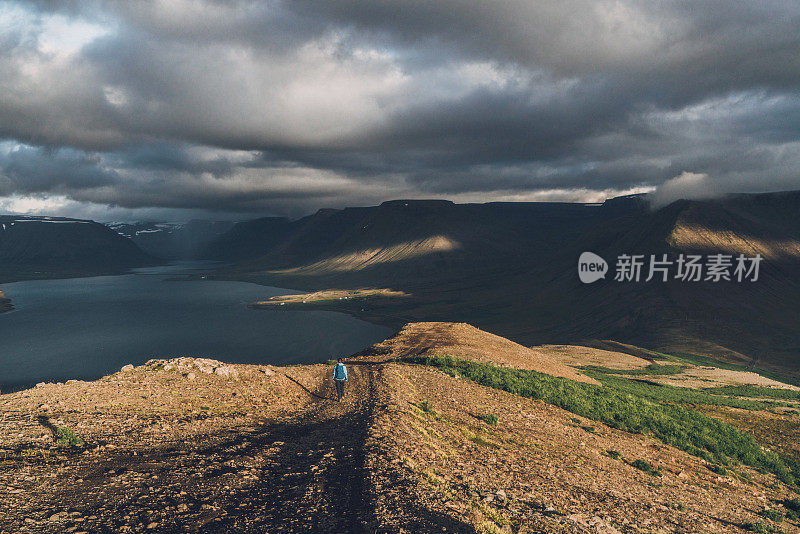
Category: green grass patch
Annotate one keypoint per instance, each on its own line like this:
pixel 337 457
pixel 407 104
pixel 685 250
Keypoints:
pixel 760 527
pixel 490 419
pixel 652 369
pixel 66 436
pixel 718 469
pixel 647 467
pixel 754 391
pixel 426 407
pixel 676 395
pixel 772 515
pixel 792 508
pixel 686 429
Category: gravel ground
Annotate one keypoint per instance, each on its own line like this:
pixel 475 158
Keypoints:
pixel 194 445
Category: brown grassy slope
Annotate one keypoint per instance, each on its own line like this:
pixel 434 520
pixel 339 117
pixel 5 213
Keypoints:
pixel 690 376
pixel 778 431
pixel 464 341
pixel 580 356
pixel 541 469
pixel 176 448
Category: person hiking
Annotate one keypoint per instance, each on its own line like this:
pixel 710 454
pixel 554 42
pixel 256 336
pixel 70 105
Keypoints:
pixel 339 378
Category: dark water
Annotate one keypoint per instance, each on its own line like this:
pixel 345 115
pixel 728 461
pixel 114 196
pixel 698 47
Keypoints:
pixel 85 328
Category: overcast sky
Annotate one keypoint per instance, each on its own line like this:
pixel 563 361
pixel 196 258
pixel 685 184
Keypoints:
pixel 172 109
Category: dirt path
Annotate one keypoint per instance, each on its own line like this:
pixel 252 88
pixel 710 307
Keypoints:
pixel 304 474
pixel 318 482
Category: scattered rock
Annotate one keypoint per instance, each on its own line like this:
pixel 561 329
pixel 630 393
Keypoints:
pixel 126 368
pixel 227 371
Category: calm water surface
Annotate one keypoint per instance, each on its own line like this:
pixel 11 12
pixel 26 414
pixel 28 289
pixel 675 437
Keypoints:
pixel 85 328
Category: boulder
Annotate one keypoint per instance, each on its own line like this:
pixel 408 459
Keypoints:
pixel 227 371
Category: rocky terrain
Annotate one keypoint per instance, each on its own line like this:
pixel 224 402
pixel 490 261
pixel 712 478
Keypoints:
pixel 197 445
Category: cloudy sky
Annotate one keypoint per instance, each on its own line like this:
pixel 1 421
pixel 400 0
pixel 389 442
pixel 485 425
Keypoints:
pixel 172 109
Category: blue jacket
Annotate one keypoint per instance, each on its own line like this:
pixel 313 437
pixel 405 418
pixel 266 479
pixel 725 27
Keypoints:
pixel 340 372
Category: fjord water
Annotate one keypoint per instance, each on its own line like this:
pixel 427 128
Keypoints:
pixel 85 328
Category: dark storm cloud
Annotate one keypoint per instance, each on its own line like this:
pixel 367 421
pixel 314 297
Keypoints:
pixel 35 170
pixel 170 157
pixel 287 106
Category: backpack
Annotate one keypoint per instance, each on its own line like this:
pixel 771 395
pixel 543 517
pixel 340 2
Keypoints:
pixel 339 373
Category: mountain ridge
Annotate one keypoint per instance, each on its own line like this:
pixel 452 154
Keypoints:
pixel 512 268
pixel 60 247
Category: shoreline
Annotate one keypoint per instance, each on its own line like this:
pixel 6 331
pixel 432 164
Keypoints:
pixel 5 303
pixel 357 303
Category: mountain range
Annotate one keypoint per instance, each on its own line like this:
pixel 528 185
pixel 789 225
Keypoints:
pixel 509 268
pixel 171 240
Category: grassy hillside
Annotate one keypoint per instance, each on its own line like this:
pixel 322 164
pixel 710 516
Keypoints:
pixel 632 411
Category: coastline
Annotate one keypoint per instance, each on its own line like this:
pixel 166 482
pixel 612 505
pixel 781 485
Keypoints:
pixel 370 305
pixel 5 303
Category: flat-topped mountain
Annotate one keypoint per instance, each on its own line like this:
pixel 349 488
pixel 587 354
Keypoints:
pixel 512 268
pixel 408 240
pixel 48 247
